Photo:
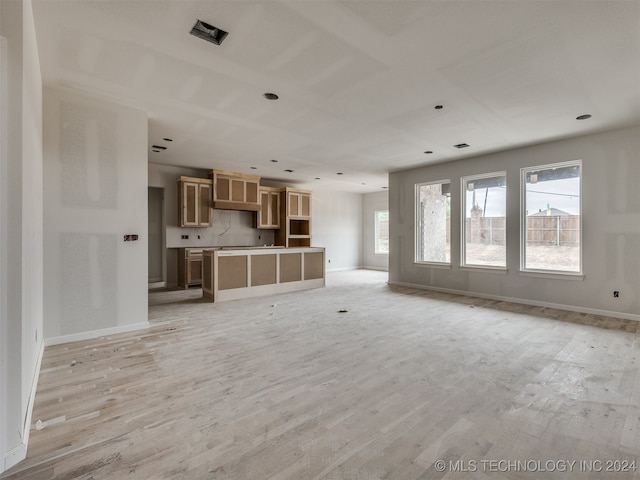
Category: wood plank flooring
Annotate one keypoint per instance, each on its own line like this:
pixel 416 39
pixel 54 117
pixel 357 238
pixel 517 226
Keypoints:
pixel 287 388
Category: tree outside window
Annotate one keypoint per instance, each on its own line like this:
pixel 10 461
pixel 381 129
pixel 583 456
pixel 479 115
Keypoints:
pixel 484 239
pixel 433 211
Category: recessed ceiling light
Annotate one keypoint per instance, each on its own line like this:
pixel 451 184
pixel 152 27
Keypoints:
pixel 208 32
pixel 429 152
pixel 583 117
pixel 289 170
pixel 253 168
pixel 158 147
pixel 168 139
pixel 461 145
pixel 339 173
pixel 270 96
pixel 438 107
pixel 274 161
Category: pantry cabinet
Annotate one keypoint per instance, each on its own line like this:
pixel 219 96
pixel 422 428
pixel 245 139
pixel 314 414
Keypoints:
pixel 295 218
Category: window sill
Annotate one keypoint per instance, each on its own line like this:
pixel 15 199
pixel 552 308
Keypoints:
pixel 483 269
pixel 382 254
pixel 555 275
pixel 443 266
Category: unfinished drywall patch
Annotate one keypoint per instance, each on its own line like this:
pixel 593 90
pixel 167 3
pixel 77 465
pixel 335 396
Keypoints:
pixel 336 225
pixel 95 184
pixel 87 267
pixel 88 157
pixel 622 270
pixel 622 182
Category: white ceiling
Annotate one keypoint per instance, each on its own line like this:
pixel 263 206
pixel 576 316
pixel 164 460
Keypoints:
pixel 357 80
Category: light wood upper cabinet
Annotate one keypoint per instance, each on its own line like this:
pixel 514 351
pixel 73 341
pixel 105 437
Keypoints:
pixel 268 217
pixel 299 203
pixel 235 191
pixel 194 202
pixel 205 191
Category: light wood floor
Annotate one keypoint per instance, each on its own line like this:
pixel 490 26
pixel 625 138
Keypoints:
pixel 285 387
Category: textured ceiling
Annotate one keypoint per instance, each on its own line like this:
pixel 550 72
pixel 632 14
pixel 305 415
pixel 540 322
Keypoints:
pixel 357 80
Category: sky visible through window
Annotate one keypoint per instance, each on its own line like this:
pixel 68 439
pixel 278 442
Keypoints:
pixel 561 194
pixel 495 201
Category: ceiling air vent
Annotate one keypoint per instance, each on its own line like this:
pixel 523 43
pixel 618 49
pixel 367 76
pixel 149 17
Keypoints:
pixel 461 145
pixel 208 32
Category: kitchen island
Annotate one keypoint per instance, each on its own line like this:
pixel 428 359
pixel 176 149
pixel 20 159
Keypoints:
pixel 232 273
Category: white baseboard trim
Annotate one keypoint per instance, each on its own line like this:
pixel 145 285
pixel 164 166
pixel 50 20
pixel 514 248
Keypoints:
pixel 153 285
pixel 77 337
pixel 19 453
pixel 522 301
pixel 379 269
pixel 343 269
pixel 15 456
pixel 32 397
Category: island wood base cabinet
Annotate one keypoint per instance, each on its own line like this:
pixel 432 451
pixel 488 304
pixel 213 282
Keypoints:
pixel 248 272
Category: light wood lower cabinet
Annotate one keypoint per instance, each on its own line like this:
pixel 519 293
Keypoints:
pixel 189 267
pixel 231 274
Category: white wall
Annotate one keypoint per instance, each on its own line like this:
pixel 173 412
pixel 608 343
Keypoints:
pixel 336 224
pixel 95 190
pixel 371 203
pixel 611 226
pixel 21 229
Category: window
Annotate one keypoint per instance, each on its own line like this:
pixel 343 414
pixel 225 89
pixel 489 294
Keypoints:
pixel 550 222
pixel 382 231
pixel 484 202
pixel 433 222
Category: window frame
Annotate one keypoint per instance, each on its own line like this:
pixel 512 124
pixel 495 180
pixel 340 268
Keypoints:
pixel 376 231
pixel 418 225
pixel 523 223
pixel 463 219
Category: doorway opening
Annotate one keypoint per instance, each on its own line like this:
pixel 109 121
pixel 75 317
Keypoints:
pixel 157 257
